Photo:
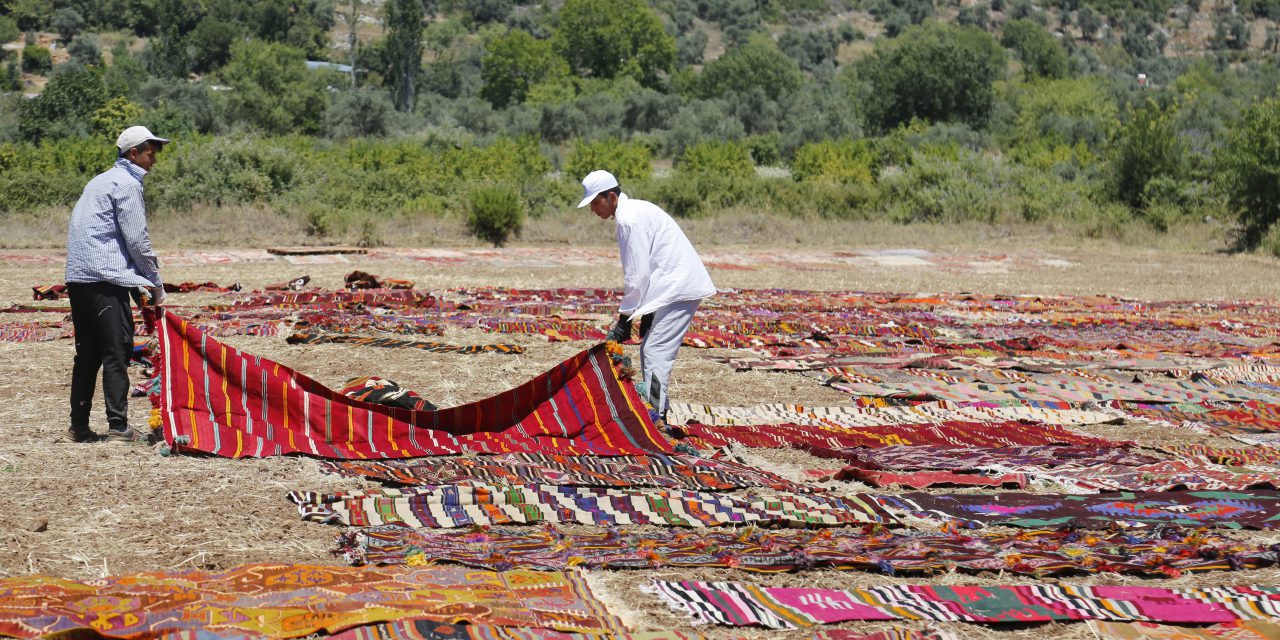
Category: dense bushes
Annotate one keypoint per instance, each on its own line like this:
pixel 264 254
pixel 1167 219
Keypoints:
pixel 1248 167
pixel 495 214
pixel 625 160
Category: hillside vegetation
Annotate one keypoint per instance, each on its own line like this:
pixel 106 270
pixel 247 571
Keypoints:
pixel 1090 115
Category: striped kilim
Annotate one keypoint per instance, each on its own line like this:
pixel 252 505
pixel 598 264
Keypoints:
pixel 737 604
pixel 419 629
pixel 962 386
pixel 466 505
pixel 1254 509
pixel 288 601
pixel 677 471
pixel 1258 457
pixel 219 400
pixel 1239 630
pixel 1224 419
pixel 831 442
pixel 392 343
pixel 1164 552
pixel 1050 413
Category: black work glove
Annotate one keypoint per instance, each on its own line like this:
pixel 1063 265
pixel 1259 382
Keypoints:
pixel 621 332
pixel 646 321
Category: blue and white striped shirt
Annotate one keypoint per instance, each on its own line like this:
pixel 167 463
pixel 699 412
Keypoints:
pixel 107 240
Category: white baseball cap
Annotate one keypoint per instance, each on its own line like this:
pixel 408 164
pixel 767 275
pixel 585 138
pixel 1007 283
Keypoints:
pixel 594 184
pixel 134 136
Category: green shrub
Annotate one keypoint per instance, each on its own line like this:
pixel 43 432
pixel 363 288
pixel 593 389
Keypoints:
pixel 682 196
pixel 36 60
pixel 845 161
pixel 625 160
pixel 9 30
pixel 1248 171
pixel 1147 147
pixel 764 149
pixel 725 159
pixel 495 214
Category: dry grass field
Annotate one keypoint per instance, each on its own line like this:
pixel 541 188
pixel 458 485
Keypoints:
pixel 87 511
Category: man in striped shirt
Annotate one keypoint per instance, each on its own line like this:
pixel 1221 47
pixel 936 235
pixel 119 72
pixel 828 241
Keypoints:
pixel 108 255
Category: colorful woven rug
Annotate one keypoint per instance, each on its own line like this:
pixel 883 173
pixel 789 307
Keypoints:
pixel 287 601
pixel 1227 419
pixel 834 442
pixel 482 504
pixel 953 458
pixel 677 471
pixel 736 604
pixel 1228 509
pixel 1164 552
pixel 392 343
pixel 219 400
pixel 1060 414
pixel 1239 630
pixel 431 630
pixel 1256 458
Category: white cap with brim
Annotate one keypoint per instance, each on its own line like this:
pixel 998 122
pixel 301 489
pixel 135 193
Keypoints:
pixel 134 136
pixel 594 184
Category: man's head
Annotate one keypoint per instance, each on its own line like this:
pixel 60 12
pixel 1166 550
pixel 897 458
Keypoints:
pixel 139 146
pixel 600 190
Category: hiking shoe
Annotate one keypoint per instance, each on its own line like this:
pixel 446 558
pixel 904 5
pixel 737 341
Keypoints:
pixel 128 435
pixel 82 437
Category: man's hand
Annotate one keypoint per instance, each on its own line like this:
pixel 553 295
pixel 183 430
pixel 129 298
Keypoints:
pixel 621 332
pixel 157 295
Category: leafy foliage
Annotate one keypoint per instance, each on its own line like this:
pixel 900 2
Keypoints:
pixel 756 64
pixel 935 72
pixel 513 63
pixel 625 160
pixel 1041 55
pixel 1145 148
pixel 495 214
pixel 614 38
pixel 404 50
pixel 843 161
pixel 273 88
pixel 713 158
pixel 1248 170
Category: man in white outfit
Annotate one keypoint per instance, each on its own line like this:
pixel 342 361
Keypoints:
pixel 663 279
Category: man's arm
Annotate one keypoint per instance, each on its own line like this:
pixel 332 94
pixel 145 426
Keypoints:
pixel 131 220
pixel 634 249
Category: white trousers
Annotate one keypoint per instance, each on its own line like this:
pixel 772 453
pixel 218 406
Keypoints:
pixel 658 350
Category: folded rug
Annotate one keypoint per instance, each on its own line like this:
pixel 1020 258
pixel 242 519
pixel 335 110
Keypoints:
pixel 219 400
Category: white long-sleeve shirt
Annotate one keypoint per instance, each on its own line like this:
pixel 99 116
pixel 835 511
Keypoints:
pixel 659 264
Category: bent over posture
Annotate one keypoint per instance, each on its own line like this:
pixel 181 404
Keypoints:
pixel 108 255
pixel 663 279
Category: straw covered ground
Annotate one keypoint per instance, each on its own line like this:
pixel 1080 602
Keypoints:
pixel 86 511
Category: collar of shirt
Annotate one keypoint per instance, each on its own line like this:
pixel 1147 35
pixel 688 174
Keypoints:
pixel 622 199
pixel 134 170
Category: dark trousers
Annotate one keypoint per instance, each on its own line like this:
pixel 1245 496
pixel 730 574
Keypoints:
pixel 103 322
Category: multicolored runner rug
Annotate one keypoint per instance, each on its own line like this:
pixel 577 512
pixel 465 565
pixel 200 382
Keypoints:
pixel 1228 509
pixel 1163 552
pixel 216 399
pixel 736 604
pixel 454 506
pixel 392 343
pixel 288 601
pixel 833 442
pixel 1059 414
pixel 677 471
pixel 1239 630
pixel 431 630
